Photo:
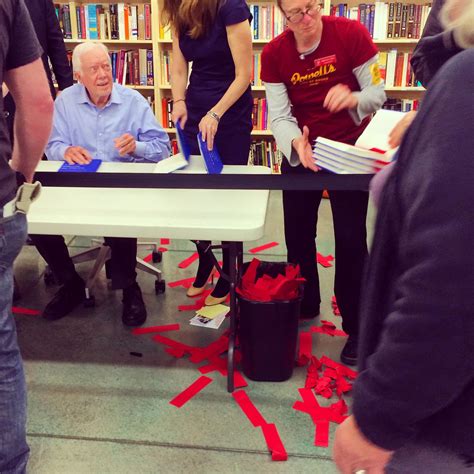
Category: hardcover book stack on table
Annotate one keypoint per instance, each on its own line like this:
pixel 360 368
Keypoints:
pixel 370 153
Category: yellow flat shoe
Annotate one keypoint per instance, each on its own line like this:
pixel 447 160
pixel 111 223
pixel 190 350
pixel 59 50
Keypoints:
pixel 212 300
pixel 193 291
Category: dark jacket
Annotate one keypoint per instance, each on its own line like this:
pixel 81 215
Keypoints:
pixel 434 48
pixel 50 36
pixel 417 326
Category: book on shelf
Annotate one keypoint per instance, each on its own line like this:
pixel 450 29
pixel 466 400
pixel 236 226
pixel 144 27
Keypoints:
pixel 370 153
pixel 108 21
pixel 267 21
pixel 265 153
pixel 396 70
pixel 401 105
pixel 386 20
pixel 132 67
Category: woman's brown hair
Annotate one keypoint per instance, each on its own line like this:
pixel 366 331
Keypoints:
pixel 192 16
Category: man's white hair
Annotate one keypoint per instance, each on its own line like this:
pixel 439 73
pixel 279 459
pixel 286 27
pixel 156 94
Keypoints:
pixel 82 48
pixel 458 16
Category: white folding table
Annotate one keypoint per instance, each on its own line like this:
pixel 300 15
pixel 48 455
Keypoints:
pixel 233 216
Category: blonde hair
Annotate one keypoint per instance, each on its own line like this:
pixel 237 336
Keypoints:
pixel 458 16
pixel 194 17
pixel 82 48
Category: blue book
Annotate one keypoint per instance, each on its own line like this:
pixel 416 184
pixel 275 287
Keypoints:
pixel 92 10
pixel 91 167
pixel 183 144
pixel 212 158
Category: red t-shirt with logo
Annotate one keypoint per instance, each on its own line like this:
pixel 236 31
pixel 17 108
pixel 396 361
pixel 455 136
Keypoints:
pixel 345 44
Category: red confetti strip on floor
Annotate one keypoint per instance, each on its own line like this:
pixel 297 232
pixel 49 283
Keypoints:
pixel 263 247
pixel 191 391
pixel 250 410
pixel 305 348
pixel 335 307
pixel 187 261
pixel 30 312
pixel 274 443
pixel 328 328
pixel 324 261
pixel 185 282
pixel 342 369
pixel 151 329
pixel 321 435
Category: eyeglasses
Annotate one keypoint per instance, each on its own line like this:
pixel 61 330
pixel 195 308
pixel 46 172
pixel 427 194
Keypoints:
pixel 310 10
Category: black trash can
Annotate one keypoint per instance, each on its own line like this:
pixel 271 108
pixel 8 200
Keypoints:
pixel 268 332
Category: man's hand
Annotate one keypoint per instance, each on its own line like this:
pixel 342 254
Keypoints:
pixel 126 144
pixel 304 150
pixel 340 97
pixel 396 135
pixel 354 452
pixel 77 154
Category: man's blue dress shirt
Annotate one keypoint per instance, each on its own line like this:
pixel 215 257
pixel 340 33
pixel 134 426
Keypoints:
pixel 78 122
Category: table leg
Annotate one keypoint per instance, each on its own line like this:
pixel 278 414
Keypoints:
pixel 233 272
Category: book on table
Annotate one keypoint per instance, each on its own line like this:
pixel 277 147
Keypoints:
pixel 90 167
pixel 370 153
pixel 178 161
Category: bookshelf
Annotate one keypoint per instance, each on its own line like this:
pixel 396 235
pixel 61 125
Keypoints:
pixel 395 42
pixel 128 30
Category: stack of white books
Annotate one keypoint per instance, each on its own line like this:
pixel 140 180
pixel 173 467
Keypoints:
pixel 370 153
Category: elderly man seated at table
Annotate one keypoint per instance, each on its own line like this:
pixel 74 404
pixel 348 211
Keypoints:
pixel 99 119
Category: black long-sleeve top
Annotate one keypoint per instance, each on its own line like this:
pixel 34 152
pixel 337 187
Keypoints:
pixel 434 48
pixel 46 25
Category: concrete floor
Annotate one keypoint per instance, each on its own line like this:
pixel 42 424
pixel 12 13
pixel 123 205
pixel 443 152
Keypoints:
pixel 95 408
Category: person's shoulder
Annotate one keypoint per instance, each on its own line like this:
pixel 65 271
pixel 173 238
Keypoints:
pixel 70 92
pixel 458 70
pixel 234 11
pixel 229 5
pixel 280 41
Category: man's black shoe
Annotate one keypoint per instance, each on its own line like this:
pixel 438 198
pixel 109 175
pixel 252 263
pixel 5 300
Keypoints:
pixel 349 352
pixel 134 311
pixel 69 296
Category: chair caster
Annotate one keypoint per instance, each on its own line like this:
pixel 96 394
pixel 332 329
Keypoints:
pixel 49 277
pixel 157 256
pixel 160 287
pixel 89 302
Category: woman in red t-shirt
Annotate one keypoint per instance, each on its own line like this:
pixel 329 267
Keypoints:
pixel 322 79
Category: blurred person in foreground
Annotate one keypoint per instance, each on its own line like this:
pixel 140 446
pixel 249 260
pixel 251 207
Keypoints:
pixel 414 398
pixel 22 71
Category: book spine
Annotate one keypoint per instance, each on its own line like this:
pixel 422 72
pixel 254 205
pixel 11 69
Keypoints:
pixel 147 21
pixel 398 20
pixel 391 18
pixel 149 67
pixel 92 11
pixel 403 27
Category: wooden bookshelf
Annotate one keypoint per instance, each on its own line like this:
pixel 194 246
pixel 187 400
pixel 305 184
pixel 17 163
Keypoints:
pixel 161 44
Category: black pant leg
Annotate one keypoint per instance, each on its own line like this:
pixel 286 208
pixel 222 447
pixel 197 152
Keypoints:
pixel 349 210
pixel 123 261
pixel 54 250
pixel 300 216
